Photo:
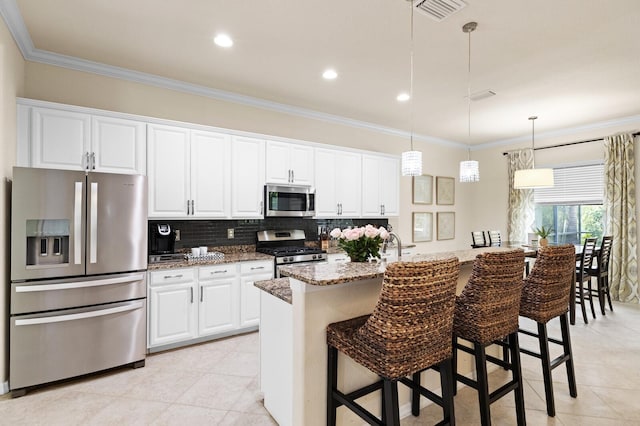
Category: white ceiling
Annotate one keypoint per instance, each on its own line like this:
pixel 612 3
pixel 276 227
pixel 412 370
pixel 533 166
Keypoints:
pixel 570 62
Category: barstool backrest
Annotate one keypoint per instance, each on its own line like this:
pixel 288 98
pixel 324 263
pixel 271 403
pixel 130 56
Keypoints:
pixel 412 322
pixel 547 288
pixel 487 309
pixel 586 260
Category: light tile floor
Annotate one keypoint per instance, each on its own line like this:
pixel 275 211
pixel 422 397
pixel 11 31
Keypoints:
pixel 217 383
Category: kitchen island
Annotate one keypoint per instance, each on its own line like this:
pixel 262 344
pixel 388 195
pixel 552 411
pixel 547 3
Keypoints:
pixel 293 351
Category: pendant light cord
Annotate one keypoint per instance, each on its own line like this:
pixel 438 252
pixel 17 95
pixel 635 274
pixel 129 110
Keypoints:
pixel 411 76
pixel 533 138
pixel 469 102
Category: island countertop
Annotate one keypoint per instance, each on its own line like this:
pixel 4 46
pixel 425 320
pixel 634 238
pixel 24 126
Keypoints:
pixel 324 274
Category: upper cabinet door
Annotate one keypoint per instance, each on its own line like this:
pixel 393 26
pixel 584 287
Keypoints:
pixel 210 174
pixel 380 186
pixel 168 171
pixel 338 183
pixel 247 177
pixel 60 139
pixel 118 145
pixel 289 163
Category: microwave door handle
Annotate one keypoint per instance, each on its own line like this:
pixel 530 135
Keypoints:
pixel 77 223
pixel 93 224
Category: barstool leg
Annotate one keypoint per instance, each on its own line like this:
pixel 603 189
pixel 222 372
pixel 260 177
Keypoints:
pixel 415 395
pixel 483 384
pixel 392 409
pixel 332 383
pixel 608 291
pixel 566 345
pixel 447 381
pixel 454 364
pixel 601 294
pixel 543 340
pixel 516 370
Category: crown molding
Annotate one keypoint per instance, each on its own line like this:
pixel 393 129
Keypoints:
pixel 12 17
pixel 601 125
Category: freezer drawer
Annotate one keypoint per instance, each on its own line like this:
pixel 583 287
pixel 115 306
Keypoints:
pixel 38 296
pixel 63 344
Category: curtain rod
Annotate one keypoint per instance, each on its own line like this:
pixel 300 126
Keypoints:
pixel 570 143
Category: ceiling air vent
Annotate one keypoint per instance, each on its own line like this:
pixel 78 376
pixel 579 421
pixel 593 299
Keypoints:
pixel 439 9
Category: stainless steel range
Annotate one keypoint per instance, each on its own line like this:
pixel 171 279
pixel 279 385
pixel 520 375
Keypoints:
pixel 288 247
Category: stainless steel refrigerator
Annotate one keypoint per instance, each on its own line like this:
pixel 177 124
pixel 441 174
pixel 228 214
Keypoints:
pixel 78 274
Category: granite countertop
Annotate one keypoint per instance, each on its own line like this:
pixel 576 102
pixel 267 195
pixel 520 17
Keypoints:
pixel 278 287
pixel 323 274
pixel 228 258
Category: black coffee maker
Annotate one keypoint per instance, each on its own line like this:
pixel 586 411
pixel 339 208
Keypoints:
pixel 162 239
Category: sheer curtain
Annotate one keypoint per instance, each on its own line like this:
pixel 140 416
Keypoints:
pixel 620 206
pixel 521 211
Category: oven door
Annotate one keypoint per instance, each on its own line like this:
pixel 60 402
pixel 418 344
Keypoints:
pixel 289 201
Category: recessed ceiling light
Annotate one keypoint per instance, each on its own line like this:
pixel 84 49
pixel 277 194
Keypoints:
pixel 403 97
pixel 330 74
pixel 223 40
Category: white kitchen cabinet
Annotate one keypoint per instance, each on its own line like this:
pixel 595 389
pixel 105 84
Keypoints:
pixel 247 177
pixel 71 140
pixel 172 306
pixel 218 299
pixel 188 173
pixel 338 182
pixel 288 163
pixel 380 186
pixel 251 272
pixel 168 173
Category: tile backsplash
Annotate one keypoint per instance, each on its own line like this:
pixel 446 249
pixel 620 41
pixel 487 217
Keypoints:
pixel 195 233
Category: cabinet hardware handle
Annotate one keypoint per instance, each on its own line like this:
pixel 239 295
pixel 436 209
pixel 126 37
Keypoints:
pixel 219 272
pixel 290 178
pixel 384 209
pixel 338 208
pixel 191 294
pixel 85 161
pixel 193 207
pixel 166 277
pixel 201 294
pixel 93 161
pixel 293 176
pixel 256 267
pixel 188 207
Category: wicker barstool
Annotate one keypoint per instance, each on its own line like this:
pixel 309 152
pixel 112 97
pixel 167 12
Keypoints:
pixel 487 312
pixel 408 331
pixel 545 296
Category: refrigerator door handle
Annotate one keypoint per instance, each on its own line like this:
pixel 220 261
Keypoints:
pixel 79 284
pixel 93 224
pixel 77 224
pixel 83 315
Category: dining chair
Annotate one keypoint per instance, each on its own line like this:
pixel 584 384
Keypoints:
pixel 600 270
pixel 582 276
pixel 495 238
pixel 478 239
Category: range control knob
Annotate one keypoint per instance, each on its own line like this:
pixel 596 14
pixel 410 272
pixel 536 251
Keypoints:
pixel 314 257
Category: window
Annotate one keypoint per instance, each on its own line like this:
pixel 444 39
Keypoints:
pixel 573 207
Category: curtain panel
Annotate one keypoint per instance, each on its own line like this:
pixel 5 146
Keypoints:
pixel 521 210
pixel 620 207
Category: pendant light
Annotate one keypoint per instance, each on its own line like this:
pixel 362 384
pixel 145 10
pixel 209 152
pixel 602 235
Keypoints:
pixel 470 169
pixel 411 160
pixel 533 178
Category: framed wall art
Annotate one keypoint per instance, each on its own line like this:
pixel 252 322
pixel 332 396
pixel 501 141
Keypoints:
pixel 422 227
pixel 445 190
pixel 423 189
pixel 446 225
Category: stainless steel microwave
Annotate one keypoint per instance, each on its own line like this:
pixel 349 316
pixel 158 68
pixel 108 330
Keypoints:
pixel 289 201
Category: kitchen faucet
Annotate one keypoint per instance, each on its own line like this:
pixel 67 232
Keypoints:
pixel 392 236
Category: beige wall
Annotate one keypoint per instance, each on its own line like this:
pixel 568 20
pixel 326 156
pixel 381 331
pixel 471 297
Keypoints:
pixel 11 85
